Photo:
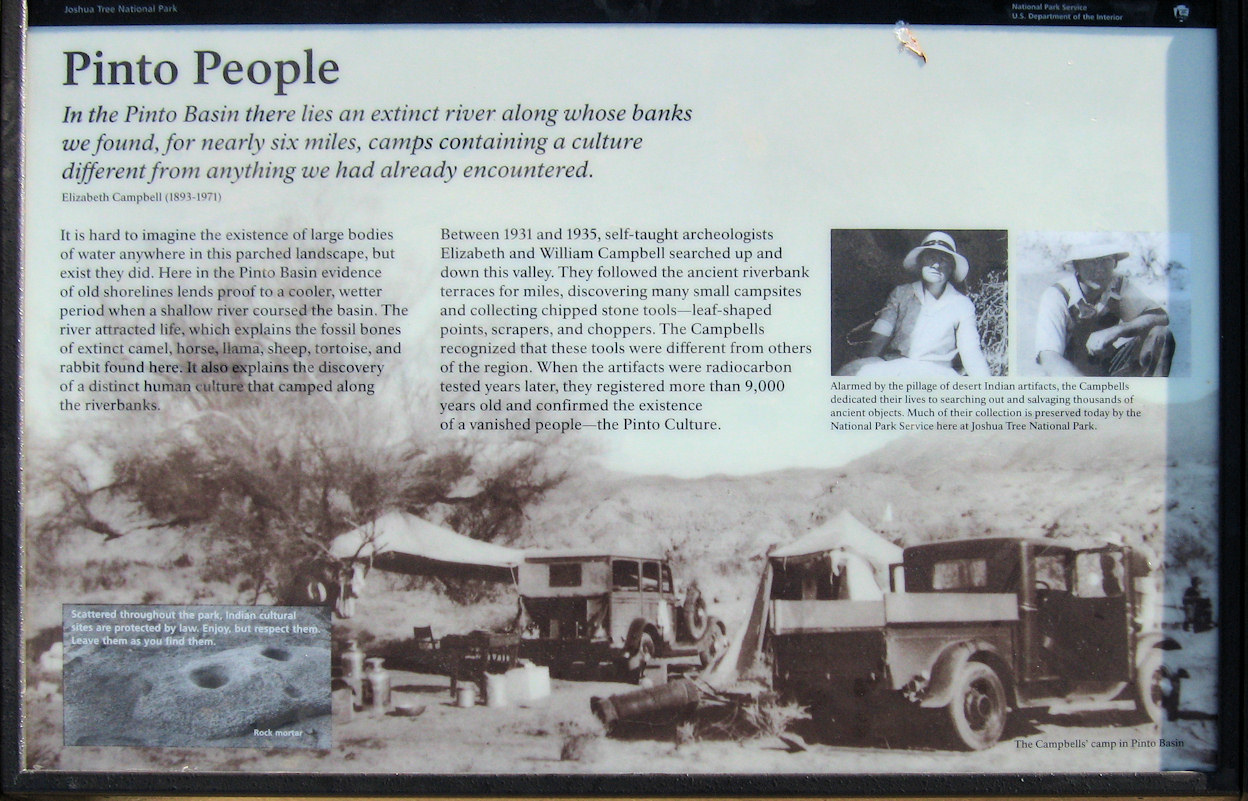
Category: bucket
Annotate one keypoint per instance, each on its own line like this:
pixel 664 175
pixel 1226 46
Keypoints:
pixel 677 696
pixel 495 690
pixel 405 704
pixel 466 695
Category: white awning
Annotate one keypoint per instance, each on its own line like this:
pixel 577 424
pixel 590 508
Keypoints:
pixel 410 542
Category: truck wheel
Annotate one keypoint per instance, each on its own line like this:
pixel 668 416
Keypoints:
pixel 694 613
pixel 714 642
pixel 1156 693
pixel 644 656
pixel 976 711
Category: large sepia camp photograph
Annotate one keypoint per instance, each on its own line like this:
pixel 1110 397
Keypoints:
pixel 780 399
pixel 514 607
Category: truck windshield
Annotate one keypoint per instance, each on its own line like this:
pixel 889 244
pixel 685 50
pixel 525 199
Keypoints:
pixel 1051 572
pixel 1099 574
pixel 650 576
pixel 624 575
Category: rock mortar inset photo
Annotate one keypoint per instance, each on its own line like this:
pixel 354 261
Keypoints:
pixel 233 692
pixel 123 696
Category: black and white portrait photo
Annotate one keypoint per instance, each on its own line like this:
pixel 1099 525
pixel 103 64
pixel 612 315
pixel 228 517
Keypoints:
pixel 1102 305
pixel 924 304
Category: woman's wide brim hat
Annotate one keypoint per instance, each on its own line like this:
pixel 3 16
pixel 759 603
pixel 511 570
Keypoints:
pixel 939 240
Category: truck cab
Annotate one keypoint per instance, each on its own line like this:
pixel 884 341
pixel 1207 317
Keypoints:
pixel 982 627
pixel 620 608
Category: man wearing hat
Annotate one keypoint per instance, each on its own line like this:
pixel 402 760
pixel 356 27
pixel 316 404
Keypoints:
pixel 1095 323
pixel 927 324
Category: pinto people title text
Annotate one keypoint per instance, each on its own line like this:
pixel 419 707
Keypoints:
pixel 84 69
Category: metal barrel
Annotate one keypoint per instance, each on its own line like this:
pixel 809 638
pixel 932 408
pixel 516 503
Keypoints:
pixel 377 685
pixel 675 696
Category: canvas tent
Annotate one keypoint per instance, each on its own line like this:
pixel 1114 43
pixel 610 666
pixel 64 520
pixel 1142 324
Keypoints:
pixel 405 543
pixel 847 546
pixel 856 553
pixel 844 532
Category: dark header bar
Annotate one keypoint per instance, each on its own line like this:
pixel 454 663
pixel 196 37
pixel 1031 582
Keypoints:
pixel 1030 13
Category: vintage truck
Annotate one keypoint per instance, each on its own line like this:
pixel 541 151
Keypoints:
pixel 591 608
pixel 973 629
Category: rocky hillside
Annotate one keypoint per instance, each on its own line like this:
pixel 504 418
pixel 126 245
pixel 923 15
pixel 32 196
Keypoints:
pixel 1132 483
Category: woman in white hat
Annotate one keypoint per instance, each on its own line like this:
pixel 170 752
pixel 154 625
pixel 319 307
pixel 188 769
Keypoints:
pixel 928 324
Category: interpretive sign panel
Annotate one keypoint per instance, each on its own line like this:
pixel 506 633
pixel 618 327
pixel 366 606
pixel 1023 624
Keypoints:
pixel 500 398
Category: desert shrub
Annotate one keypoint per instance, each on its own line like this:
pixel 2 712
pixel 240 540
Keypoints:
pixel 105 574
pixel 767 715
pixel 472 591
pixel 990 301
pixel 269 485
pixel 756 715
